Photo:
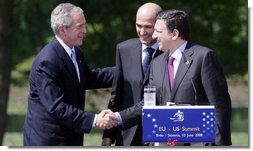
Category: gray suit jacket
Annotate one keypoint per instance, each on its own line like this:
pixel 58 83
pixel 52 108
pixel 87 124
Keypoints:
pixel 199 81
pixel 127 89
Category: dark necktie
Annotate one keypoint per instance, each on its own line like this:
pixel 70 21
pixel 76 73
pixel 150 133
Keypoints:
pixel 171 71
pixel 147 58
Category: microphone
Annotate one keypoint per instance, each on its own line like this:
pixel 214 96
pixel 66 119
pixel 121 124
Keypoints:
pixel 192 83
pixel 195 92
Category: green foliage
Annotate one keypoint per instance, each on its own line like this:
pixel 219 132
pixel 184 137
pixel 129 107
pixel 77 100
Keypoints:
pixel 31 27
pixel 218 24
pixel 26 65
pixel 222 26
pixel 240 120
pixel 109 24
pixel 20 74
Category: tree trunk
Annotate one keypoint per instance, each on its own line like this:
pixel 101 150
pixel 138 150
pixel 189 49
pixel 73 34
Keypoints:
pixel 6 16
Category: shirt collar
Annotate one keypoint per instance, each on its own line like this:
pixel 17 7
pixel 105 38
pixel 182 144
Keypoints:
pixel 177 54
pixel 66 48
pixel 154 46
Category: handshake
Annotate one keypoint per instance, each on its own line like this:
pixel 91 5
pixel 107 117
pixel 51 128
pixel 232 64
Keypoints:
pixel 106 119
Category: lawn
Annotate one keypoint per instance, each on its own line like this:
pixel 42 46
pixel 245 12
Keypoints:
pixel 94 139
pixel 17 110
pixel 97 100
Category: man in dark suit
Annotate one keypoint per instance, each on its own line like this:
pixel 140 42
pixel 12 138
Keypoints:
pixel 58 80
pixel 131 66
pixel 196 77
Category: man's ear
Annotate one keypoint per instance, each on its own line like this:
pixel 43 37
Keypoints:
pixel 61 30
pixel 175 34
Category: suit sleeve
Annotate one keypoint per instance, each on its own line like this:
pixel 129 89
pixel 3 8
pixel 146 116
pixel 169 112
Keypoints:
pixel 51 93
pixel 133 115
pixel 96 78
pixel 99 77
pixel 215 85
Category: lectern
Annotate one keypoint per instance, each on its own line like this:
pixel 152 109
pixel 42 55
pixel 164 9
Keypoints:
pixel 178 123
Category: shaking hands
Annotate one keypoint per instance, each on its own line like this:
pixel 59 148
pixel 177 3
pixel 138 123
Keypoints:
pixel 106 119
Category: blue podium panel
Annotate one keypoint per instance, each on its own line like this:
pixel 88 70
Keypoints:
pixel 179 123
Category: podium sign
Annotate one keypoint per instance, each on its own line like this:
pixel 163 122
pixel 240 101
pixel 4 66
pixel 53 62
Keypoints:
pixel 179 123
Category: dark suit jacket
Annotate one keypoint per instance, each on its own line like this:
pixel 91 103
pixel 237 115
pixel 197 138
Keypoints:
pixel 56 113
pixel 199 81
pixel 127 89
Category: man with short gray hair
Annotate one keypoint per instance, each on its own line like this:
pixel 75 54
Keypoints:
pixel 58 80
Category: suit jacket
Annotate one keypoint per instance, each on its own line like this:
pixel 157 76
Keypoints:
pixel 56 100
pixel 127 89
pixel 199 81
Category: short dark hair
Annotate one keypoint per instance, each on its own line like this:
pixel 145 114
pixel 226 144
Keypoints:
pixel 176 19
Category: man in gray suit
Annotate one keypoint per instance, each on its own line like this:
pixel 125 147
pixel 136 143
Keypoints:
pixel 193 77
pixel 132 62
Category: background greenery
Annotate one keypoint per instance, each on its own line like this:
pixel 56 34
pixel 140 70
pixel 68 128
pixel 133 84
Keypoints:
pixel 97 100
pixel 219 24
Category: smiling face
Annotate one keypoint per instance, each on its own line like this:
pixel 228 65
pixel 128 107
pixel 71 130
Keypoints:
pixel 145 21
pixel 163 37
pixel 73 35
pixel 145 28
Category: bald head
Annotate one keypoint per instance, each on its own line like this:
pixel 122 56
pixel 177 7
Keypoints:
pixel 149 10
pixel 145 22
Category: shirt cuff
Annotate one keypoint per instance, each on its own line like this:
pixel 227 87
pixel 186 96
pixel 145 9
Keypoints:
pixel 119 118
pixel 94 122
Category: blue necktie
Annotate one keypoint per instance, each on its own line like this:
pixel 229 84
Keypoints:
pixel 73 58
pixel 147 58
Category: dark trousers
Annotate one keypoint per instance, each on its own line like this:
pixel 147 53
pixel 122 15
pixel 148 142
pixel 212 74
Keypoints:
pixel 137 140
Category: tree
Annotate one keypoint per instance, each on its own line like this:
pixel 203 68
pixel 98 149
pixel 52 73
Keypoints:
pixel 217 24
pixel 6 12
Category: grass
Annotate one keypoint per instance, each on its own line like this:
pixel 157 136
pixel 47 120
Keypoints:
pixel 97 100
pixel 239 139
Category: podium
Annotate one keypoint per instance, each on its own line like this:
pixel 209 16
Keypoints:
pixel 178 123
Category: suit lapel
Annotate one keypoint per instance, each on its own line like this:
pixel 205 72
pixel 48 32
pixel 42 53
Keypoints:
pixel 157 53
pixel 80 63
pixel 135 62
pixel 183 67
pixel 146 76
pixel 138 59
pixel 165 77
pixel 70 67
pixel 67 62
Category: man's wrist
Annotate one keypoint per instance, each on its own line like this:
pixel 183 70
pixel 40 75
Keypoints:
pixel 94 121
pixel 119 118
